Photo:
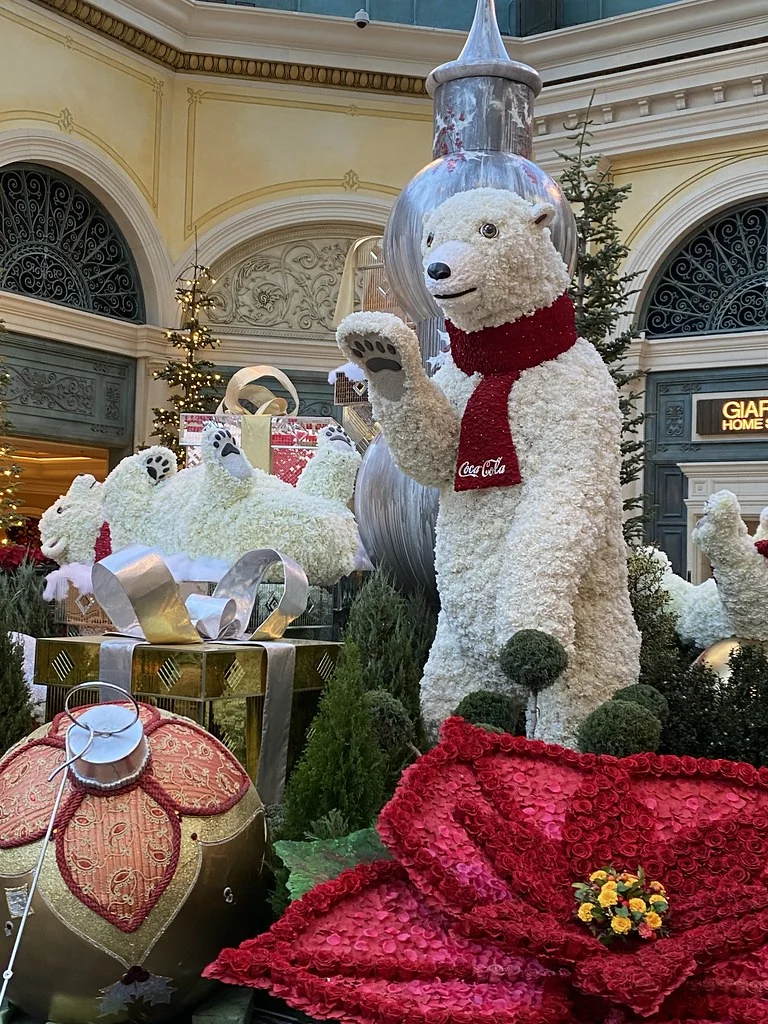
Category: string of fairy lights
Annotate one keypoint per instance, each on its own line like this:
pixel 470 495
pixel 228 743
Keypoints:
pixel 194 383
pixel 10 473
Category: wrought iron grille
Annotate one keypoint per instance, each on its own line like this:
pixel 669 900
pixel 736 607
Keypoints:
pixel 717 281
pixel 59 244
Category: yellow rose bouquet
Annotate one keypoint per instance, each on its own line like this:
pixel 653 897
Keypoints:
pixel 619 905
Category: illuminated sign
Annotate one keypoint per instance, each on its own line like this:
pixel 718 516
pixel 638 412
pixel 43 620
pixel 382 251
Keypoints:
pixel 740 417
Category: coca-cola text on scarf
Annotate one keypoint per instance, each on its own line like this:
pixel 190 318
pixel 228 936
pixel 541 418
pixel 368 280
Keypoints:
pixel 487 455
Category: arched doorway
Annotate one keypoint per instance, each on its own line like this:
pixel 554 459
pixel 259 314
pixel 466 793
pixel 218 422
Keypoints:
pixel 59 244
pixel 71 408
pixel 714 282
pixel 275 299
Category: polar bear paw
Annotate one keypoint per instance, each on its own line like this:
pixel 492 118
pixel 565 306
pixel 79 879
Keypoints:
pixel 159 464
pixel 220 449
pixel 375 352
pixel 223 443
pixel 383 346
pixel 334 437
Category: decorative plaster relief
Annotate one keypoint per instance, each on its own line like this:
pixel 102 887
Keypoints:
pixel 46 389
pixel 286 287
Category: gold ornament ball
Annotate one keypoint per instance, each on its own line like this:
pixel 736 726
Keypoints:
pixel 717 657
pixel 141 887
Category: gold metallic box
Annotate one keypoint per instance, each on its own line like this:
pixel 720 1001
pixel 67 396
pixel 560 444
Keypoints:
pixel 219 686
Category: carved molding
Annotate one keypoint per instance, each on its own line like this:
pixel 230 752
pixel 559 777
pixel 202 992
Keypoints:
pixel 291 216
pixel 30 388
pixel 287 72
pixel 62 392
pixel 112 405
pixel 286 285
pixel 257 241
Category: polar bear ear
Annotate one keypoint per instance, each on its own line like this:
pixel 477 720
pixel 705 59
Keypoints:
pixel 82 483
pixel 542 214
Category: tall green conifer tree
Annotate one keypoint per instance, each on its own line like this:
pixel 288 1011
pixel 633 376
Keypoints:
pixel 601 292
pixel 10 473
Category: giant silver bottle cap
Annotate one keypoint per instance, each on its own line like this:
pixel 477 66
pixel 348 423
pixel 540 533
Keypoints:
pixel 484 55
pixel 483 138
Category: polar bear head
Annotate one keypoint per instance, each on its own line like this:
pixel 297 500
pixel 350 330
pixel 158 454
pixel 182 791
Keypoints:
pixel 489 258
pixel 70 528
pixel 721 530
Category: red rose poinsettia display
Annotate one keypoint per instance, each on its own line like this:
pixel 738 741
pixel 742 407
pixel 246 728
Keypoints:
pixel 473 923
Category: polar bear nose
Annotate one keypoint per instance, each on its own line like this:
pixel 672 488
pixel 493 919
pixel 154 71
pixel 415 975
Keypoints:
pixel 439 271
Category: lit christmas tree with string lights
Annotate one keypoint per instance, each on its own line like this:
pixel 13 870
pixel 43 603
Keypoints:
pixel 194 383
pixel 10 474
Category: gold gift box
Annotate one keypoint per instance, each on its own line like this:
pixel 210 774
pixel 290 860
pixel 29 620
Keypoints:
pixel 219 686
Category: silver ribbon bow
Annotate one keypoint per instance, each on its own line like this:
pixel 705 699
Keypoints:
pixel 137 591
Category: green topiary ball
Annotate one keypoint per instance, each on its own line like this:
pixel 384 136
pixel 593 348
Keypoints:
pixel 391 722
pixel 533 659
pixel 648 697
pixel 621 728
pixel 486 708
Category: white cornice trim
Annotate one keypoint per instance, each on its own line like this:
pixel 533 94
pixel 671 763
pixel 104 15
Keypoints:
pixel 715 351
pixel 116 192
pixel 283 214
pixel 693 99
pixel 287 353
pixel 37 319
pixel 23 315
pixel 651 35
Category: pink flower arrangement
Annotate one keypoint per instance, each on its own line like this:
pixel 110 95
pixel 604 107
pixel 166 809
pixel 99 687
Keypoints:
pixel 473 922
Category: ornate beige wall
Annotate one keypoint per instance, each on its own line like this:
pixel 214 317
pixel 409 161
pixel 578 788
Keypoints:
pixel 199 151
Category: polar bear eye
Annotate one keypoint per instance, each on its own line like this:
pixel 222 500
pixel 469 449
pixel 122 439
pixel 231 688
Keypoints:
pixel 489 231
pixel 59 510
pixel 430 238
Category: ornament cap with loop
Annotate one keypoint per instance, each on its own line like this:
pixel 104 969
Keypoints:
pixel 106 745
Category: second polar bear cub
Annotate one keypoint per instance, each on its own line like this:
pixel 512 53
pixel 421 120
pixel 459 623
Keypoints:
pixel 520 430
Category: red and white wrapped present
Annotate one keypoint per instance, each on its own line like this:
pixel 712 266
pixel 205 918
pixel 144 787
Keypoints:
pixel 273 440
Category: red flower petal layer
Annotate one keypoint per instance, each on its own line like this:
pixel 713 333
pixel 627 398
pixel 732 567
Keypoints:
pixel 369 946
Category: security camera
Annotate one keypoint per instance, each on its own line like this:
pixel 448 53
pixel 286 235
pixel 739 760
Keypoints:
pixel 362 18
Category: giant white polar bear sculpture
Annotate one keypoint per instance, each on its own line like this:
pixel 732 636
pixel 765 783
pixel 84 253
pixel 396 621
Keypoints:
pixel 708 612
pixel 218 510
pixel 520 431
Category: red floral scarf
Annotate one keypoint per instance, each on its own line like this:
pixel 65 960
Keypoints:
pixel 487 456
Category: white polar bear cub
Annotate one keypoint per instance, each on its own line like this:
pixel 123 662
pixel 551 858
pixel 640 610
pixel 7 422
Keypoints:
pixel 741 570
pixel 520 430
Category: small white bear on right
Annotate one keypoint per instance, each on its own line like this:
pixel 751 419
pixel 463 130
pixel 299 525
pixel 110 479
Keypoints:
pixel 741 570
